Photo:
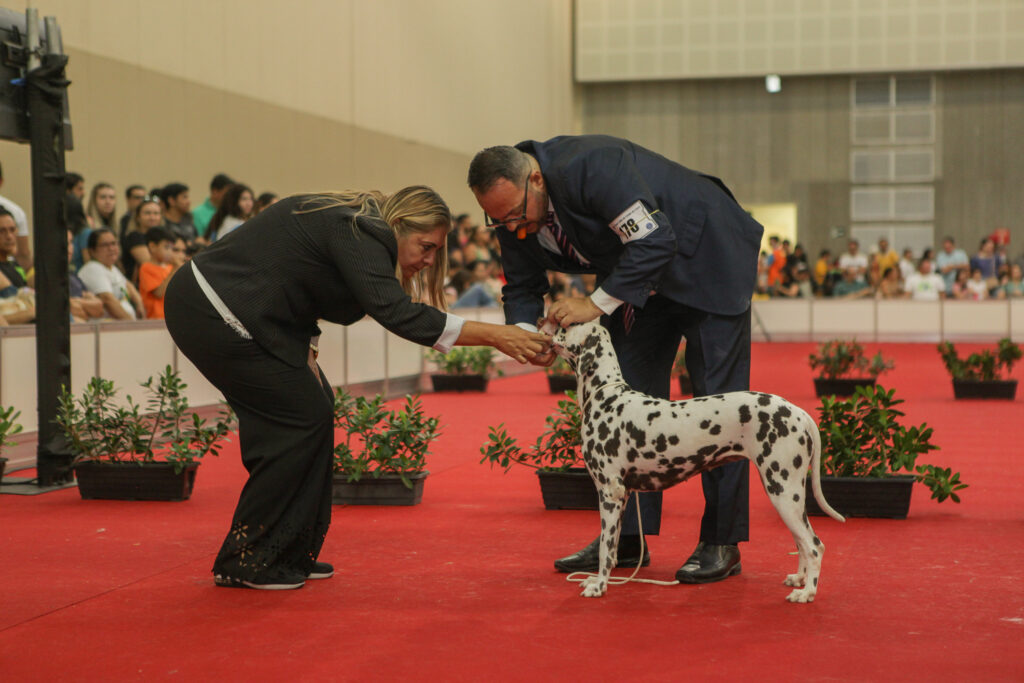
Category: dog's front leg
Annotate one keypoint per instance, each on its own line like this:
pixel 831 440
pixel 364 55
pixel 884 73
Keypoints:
pixel 612 501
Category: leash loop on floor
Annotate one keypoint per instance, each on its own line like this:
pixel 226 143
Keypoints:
pixel 580 577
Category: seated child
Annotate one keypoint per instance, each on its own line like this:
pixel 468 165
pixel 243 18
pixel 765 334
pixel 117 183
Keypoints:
pixel 156 273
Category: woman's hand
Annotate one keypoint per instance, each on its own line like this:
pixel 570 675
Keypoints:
pixel 522 345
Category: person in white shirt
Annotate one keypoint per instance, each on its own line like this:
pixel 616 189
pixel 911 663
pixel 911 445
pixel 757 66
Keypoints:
pixel 853 258
pixel 924 285
pixel 24 256
pixel 120 298
pixel 907 267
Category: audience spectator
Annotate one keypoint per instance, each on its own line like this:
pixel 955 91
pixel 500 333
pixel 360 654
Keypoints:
pixel 176 205
pixel 24 240
pixel 155 273
pixel 133 244
pixel 133 197
pixel 78 223
pixel 204 212
pixel 84 304
pixel 887 257
pixel 950 262
pixel 17 304
pixel 975 288
pixel 263 201
pixel 458 238
pixel 235 208
pixel 101 276
pixel 776 261
pixel 891 285
pixel 795 282
pixel 929 254
pixel 821 268
pixel 852 286
pixel 853 258
pixel 987 262
pixel 1013 287
pixel 102 208
pixel 479 246
pixel 907 265
pixel 924 285
pixel 481 289
pixel 74 184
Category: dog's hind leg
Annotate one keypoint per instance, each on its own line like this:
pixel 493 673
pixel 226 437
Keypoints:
pixel 612 500
pixel 809 548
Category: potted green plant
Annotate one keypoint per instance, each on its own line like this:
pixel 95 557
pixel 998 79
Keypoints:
pixel 843 366
pixel 864 450
pixel 123 453
pixel 565 483
pixel 984 374
pixel 464 368
pixel 679 370
pixel 9 426
pixel 561 377
pixel 382 457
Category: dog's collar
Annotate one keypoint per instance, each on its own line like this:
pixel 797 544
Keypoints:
pixel 586 400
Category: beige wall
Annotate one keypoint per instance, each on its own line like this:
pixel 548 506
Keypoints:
pixel 308 95
pixel 620 40
pixel 795 146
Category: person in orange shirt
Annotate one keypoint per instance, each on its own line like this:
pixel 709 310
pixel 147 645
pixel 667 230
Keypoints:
pixel 154 274
pixel 778 261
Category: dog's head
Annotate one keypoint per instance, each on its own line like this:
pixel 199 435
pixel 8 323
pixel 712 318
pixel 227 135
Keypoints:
pixel 582 345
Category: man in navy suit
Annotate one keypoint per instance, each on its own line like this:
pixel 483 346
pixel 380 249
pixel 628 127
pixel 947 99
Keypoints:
pixel 675 256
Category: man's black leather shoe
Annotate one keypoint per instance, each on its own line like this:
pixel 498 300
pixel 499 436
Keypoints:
pixel 587 560
pixel 710 563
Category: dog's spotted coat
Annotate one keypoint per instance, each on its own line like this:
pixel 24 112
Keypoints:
pixel 634 442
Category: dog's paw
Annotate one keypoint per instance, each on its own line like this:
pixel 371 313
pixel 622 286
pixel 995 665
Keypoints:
pixel 593 587
pixel 796 580
pixel 802 595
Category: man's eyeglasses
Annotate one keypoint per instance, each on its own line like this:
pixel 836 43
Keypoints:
pixel 491 223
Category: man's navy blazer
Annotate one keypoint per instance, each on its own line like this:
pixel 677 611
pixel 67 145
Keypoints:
pixel 702 252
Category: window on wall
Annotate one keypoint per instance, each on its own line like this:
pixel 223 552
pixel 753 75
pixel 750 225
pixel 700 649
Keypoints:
pixel 892 158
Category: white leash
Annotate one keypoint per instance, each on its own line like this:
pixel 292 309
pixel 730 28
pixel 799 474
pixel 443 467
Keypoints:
pixel 580 577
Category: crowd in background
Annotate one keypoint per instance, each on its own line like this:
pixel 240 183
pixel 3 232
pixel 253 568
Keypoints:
pixel 121 262
pixel 883 273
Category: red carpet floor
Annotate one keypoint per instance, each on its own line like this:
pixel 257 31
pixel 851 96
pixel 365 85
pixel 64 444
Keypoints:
pixel 461 587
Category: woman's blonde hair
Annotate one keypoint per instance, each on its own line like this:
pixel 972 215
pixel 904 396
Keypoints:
pixel 417 209
pixel 93 211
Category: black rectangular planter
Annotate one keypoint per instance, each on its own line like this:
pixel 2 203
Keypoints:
pixel 976 388
pixel 572 489
pixel 884 497
pixel 559 384
pixel 459 382
pixel 840 386
pixel 3 466
pixel 386 490
pixel 134 481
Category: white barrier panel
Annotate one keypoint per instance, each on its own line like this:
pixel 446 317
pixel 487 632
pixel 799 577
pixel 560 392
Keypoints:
pixel 83 357
pixel 366 360
pixel 843 319
pixel 981 319
pixel 912 320
pixel 332 353
pixel 404 357
pixel 18 378
pixel 1017 319
pixel 782 319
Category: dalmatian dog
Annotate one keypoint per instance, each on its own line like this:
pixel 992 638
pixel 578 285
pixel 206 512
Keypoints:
pixel 633 442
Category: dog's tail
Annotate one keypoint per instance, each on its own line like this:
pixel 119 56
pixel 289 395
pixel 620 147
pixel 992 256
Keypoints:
pixel 816 474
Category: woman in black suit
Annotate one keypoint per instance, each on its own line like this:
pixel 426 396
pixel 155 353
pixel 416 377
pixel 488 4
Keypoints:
pixel 245 313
